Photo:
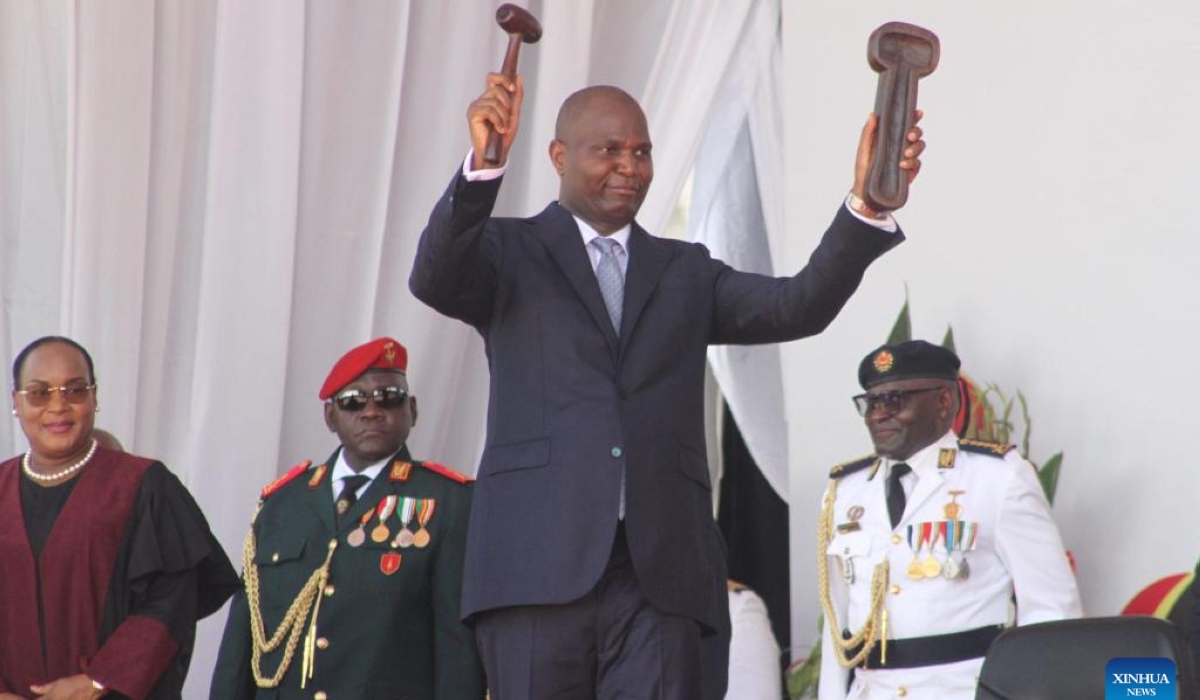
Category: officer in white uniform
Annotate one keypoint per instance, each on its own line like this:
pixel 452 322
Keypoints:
pixel 929 542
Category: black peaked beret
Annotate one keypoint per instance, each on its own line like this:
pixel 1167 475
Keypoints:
pixel 912 359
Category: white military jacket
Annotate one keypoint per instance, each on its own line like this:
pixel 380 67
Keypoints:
pixel 1002 529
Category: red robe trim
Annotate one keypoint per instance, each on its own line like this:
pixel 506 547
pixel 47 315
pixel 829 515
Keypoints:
pixel 76 571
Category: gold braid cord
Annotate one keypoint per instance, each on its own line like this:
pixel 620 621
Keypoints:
pixel 874 628
pixel 293 622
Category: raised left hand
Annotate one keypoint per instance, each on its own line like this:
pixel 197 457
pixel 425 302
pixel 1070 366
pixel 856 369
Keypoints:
pixel 911 161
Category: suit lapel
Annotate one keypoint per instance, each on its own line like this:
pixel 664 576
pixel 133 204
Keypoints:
pixel 648 259
pixel 556 229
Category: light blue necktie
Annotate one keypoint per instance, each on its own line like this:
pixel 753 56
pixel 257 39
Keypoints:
pixel 612 288
pixel 612 281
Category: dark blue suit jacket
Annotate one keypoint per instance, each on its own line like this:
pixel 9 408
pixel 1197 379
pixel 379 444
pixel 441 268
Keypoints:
pixel 571 400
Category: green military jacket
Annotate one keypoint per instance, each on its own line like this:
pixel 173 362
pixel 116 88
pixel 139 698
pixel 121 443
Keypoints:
pixel 387 616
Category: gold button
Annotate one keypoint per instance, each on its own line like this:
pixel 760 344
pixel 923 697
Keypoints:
pixel 322 643
pixel 320 695
pixel 329 590
pixel 275 557
pixel 901 691
pixel 895 589
pixel 895 539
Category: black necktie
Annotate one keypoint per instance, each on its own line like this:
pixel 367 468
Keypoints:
pixel 896 499
pixel 349 494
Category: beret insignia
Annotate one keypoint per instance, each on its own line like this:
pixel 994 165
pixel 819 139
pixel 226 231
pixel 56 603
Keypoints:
pixel 884 361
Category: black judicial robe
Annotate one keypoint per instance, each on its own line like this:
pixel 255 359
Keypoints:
pixel 127 569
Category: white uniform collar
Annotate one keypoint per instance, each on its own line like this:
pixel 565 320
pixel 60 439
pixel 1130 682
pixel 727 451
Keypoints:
pixel 342 469
pixel 925 460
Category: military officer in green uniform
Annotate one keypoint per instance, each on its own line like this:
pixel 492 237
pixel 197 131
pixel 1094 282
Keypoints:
pixel 353 567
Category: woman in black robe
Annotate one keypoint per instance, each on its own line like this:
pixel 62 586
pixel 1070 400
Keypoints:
pixel 108 562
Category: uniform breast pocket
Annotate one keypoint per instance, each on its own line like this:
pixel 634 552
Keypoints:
pixel 280 561
pixel 850 545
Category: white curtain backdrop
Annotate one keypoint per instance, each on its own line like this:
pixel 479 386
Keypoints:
pixel 737 211
pixel 219 198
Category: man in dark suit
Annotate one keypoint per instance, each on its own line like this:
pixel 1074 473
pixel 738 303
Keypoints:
pixel 593 563
pixel 353 569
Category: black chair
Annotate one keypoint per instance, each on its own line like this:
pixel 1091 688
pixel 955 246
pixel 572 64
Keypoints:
pixel 1065 660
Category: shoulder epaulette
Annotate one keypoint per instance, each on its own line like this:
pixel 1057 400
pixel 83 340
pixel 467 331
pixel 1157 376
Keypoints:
pixel 848 468
pixel 447 472
pixel 283 480
pixel 985 447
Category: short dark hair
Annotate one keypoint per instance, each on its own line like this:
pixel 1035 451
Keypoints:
pixel 19 363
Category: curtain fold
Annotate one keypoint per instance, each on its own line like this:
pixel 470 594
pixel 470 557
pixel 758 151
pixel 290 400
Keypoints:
pixel 737 212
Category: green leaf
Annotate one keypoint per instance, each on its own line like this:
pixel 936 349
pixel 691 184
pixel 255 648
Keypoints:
pixel 1048 475
pixel 803 678
pixel 1026 422
pixel 902 329
pixel 948 341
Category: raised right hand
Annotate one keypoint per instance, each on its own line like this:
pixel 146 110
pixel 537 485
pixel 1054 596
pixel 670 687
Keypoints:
pixel 499 106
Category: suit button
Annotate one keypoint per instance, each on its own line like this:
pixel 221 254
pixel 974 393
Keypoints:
pixel 322 643
pixel 616 452
pixel 329 590
pixel 275 558
pixel 895 539
pixel 320 695
pixel 901 691
pixel 895 589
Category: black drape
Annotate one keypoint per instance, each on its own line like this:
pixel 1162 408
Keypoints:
pixel 754 522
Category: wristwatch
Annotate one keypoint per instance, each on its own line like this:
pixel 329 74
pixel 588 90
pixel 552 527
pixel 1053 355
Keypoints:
pixel 97 686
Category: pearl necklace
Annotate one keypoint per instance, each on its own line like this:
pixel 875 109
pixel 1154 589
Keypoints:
pixel 25 466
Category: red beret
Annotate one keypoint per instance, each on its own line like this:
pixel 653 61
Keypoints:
pixel 381 353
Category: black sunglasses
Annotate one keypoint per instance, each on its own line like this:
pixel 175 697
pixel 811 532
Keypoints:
pixel 892 402
pixel 386 397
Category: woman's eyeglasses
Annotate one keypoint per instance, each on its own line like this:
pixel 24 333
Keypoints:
pixel 384 397
pixel 71 393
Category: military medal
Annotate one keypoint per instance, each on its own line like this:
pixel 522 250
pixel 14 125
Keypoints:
pixel 952 510
pixel 404 538
pixel 951 529
pixel 915 571
pixel 931 567
pixel 384 510
pixel 424 515
pixel 359 534
pixel 968 544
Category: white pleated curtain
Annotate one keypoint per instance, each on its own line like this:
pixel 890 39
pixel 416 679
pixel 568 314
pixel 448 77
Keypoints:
pixel 219 198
